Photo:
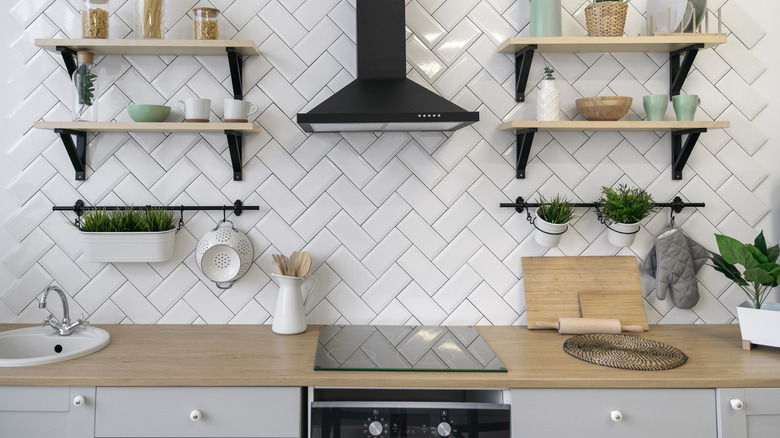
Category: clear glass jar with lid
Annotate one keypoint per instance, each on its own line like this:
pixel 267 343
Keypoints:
pixel 206 24
pixel 94 19
pixel 150 19
pixel 85 93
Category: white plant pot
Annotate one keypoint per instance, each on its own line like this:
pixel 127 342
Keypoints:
pixel 622 235
pixel 129 246
pixel 759 326
pixel 548 98
pixel 548 234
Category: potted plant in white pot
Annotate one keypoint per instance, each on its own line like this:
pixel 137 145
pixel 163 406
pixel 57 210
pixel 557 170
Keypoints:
pixel 623 207
pixel 127 235
pixel 552 220
pixel 759 322
pixel 548 105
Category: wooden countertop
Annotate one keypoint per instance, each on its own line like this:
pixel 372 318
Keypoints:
pixel 251 355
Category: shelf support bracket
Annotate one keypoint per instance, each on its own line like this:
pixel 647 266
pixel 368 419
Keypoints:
pixel 523 60
pixel 679 68
pixel 236 69
pixel 525 139
pixel 681 152
pixel 76 152
pixel 69 58
pixel 235 144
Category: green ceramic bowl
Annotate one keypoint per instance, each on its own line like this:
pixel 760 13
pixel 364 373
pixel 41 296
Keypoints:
pixel 148 113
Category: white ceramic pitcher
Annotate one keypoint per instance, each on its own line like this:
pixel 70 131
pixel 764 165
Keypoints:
pixel 289 317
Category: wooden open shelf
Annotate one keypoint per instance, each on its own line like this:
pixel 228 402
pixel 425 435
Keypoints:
pixel 218 128
pixel 662 44
pixel 152 47
pixel 584 125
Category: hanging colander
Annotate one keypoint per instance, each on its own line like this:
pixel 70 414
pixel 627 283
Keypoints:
pixel 224 254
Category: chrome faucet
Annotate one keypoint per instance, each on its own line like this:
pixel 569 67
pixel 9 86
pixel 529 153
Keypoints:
pixel 64 327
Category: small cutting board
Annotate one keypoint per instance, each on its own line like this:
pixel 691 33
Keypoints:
pixel 553 286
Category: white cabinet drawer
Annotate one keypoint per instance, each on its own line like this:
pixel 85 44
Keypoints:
pixel 224 412
pixel 584 413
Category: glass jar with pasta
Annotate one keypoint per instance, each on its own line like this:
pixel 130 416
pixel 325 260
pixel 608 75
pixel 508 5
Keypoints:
pixel 206 24
pixel 94 19
pixel 150 19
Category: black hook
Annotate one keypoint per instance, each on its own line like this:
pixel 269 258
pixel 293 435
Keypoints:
pixel 181 218
pixel 224 213
pixel 238 207
pixel 79 209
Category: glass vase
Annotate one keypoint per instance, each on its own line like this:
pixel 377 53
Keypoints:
pixel 85 94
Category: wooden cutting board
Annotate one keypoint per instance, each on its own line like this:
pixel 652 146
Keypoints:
pixel 610 285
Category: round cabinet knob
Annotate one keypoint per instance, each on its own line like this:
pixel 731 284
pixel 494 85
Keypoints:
pixel 736 404
pixel 616 415
pixel 79 400
pixel 375 428
pixel 196 415
pixel 444 429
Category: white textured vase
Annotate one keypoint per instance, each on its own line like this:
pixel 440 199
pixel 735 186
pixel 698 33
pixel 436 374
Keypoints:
pixel 289 317
pixel 548 107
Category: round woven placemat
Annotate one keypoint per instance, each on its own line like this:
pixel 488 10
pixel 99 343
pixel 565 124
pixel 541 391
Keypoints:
pixel 625 352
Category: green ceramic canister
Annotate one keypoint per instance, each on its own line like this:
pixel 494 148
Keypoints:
pixel 545 18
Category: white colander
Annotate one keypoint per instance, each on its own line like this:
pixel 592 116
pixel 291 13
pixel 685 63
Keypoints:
pixel 224 254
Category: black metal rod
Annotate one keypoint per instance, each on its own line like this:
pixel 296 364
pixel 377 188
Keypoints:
pixel 677 204
pixel 238 207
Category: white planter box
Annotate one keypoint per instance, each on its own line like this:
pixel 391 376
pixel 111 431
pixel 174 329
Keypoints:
pixel 128 247
pixel 760 327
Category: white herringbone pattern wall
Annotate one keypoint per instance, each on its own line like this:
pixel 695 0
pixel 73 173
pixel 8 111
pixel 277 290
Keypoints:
pixel 403 228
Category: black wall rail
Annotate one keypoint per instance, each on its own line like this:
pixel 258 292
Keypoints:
pixel 237 208
pixel 676 205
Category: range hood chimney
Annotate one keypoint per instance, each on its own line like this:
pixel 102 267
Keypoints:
pixel 382 98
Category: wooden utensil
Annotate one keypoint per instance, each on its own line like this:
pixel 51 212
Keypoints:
pixel 578 326
pixel 305 264
pixel 277 269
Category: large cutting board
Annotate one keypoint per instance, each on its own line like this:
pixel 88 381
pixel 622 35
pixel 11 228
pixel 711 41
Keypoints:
pixel 553 286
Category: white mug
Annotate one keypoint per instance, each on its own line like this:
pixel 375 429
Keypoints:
pixel 195 109
pixel 237 111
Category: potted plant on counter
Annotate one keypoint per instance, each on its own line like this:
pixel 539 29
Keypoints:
pixel 127 235
pixel 624 207
pixel 606 18
pixel 759 322
pixel 552 220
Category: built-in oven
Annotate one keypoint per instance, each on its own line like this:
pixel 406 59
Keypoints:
pixel 408 413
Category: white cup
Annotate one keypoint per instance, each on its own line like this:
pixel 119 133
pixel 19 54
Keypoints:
pixel 195 109
pixel 237 111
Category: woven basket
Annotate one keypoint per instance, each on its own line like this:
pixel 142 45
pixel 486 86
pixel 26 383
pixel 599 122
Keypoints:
pixel 606 18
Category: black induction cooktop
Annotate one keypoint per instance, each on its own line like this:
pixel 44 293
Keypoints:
pixel 404 348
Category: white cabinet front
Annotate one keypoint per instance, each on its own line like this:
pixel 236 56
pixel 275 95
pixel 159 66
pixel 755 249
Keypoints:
pixel 46 411
pixel 749 413
pixel 613 413
pixel 198 412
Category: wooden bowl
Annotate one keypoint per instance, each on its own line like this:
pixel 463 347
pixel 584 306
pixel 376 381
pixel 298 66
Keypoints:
pixel 604 107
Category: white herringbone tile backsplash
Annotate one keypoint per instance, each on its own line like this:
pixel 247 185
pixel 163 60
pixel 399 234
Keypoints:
pixel 403 228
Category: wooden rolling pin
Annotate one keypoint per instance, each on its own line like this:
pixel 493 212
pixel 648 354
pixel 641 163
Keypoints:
pixel 580 326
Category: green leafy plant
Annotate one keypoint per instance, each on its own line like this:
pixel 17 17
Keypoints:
pixel 548 74
pixel 129 220
pixel 624 204
pixel 761 271
pixel 557 210
pixel 86 88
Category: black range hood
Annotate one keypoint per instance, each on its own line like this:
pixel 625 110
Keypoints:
pixel 382 98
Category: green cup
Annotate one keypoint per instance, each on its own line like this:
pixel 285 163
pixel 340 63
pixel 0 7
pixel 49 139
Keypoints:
pixel 655 106
pixel 685 106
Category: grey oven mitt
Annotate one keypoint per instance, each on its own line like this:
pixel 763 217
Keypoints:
pixel 674 261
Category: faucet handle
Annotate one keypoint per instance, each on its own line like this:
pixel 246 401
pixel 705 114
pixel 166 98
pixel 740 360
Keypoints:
pixel 83 321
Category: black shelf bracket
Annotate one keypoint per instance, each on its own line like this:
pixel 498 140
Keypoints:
pixel 523 60
pixel 682 151
pixel 676 205
pixel 236 70
pixel 69 58
pixel 525 139
pixel 235 144
pixel 679 68
pixel 77 152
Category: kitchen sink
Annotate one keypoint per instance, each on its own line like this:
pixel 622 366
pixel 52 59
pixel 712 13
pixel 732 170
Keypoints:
pixel 41 345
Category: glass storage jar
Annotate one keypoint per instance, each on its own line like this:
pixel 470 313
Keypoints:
pixel 150 19
pixel 85 94
pixel 206 25
pixel 94 19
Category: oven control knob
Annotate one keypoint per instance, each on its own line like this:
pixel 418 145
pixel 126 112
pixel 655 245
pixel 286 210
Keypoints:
pixel 444 429
pixel 375 428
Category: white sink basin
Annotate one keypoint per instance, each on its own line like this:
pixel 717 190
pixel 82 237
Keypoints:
pixel 41 345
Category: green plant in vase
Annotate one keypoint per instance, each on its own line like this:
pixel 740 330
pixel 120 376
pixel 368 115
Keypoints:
pixel 128 220
pixel 557 210
pixel 761 272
